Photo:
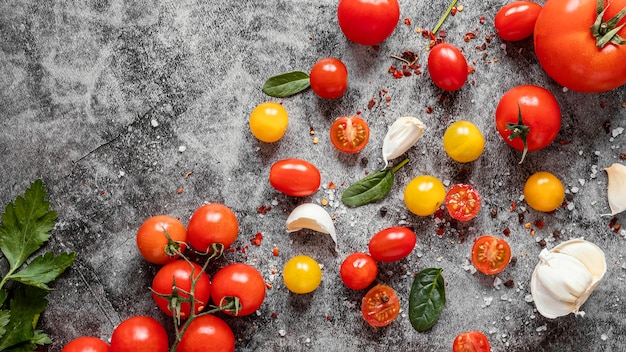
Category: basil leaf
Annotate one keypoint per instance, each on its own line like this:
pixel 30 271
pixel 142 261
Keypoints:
pixel 286 84
pixel 427 298
pixel 369 189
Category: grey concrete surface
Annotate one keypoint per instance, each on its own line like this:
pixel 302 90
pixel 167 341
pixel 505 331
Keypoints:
pixel 118 105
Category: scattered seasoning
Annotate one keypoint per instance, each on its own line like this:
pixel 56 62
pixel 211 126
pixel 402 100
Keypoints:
pixel 263 209
pixel 622 156
pixel 532 232
pixel 506 232
pixel 383 211
pixel 493 213
pixel 179 191
pixel 274 315
pixel 268 285
pixel 509 283
pixel 542 243
pixel 453 11
pixel 364 161
pixel 407 21
pixel 331 185
pixel 607 126
pixel 482 20
pixel 512 207
pixel 527 225
pixel 469 36
pixel 513 261
pixel 324 201
pixel 256 240
pixel 187 174
pixel 429 109
pixel 316 140
pixel 556 234
pixel 275 252
pixel 602 105
pixel 520 217
pixel 311 131
pixel 539 224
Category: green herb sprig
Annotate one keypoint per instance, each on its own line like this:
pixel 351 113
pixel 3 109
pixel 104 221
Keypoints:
pixel 372 187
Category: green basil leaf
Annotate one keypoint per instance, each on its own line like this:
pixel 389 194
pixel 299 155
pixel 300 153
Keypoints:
pixel 369 189
pixel 286 84
pixel 427 298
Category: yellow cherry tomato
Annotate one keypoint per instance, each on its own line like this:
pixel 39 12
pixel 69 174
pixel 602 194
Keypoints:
pixel 463 141
pixel 424 195
pixel 268 121
pixel 544 192
pixel 302 274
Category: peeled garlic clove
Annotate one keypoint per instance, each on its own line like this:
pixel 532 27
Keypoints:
pixel 617 187
pixel 401 136
pixel 586 252
pixel 313 217
pixel 566 289
pixel 547 305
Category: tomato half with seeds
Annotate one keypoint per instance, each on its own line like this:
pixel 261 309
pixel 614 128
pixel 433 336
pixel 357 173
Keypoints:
pixel 490 255
pixel 471 341
pixel 329 78
pixel 368 22
pixel 212 224
pixel 175 280
pixel 139 334
pixel 392 244
pixel 544 192
pixel 295 177
pixel 447 67
pixel 380 306
pixel 160 238
pixel 86 344
pixel 516 20
pixel 358 271
pixel 238 282
pixel 349 134
pixel 463 202
pixel 204 331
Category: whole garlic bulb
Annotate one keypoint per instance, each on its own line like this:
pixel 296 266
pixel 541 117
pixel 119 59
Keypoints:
pixel 565 277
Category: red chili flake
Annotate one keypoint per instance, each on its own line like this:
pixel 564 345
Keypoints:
pixel 256 240
pixel 469 36
pixel 509 283
pixel 482 19
pixel 274 315
pixel 453 11
pixel 371 104
pixel 622 156
pixel 331 185
pixel 520 217
pixel 470 69
pixel 244 249
pixel 388 99
pixel 268 285
pixel 232 249
pixel 102 193
pixel 376 47
pixel 358 112
pixel 506 232
pixel 405 71
pixel 275 252
pixel 439 214
pixel 425 33
pixel 616 228
pixel 602 104
pixel 429 110
pixel 407 21
pixel 263 209
pixel 512 207
pixel 563 142
pixel 179 191
pixel 539 224
pixel 443 34
pixel 440 230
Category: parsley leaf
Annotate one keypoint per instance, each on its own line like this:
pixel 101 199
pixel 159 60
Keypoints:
pixel 44 269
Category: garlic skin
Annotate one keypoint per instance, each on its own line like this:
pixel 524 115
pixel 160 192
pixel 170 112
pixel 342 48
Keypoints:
pixel 313 217
pixel 401 136
pixel 566 276
pixel 616 191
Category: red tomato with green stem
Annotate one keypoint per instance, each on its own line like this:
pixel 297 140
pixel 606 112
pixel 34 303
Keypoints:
pixel 295 177
pixel 212 224
pixel 579 46
pixel 161 238
pixel 242 286
pixel 490 255
pixel 329 78
pixel 516 20
pixel 349 134
pixel 463 202
pixel 175 280
pixel 86 344
pixel 139 334
pixel 358 271
pixel 447 67
pixel 392 244
pixel 528 118
pixel 207 333
pixel 471 341
pixel 368 22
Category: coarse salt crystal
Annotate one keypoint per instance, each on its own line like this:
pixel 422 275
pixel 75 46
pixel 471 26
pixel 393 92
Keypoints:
pixel 617 131
pixel 154 123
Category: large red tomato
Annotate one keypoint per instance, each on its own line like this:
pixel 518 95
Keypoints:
pixel 567 48
pixel 368 22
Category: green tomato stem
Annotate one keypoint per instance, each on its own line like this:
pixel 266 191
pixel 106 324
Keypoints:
pixel 397 167
pixel 445 15
pixel 519 130
pixel 606 31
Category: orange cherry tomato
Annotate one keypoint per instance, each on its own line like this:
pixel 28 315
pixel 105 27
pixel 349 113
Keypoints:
pixel 152 239
pixel 349 134
pixel 380 306
pixel 490 255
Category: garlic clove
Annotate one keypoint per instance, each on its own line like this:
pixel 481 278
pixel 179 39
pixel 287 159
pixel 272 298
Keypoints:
pixel 564 288
pixel 586 252
pixel 313 217
pixel 546 304
pixel 616 191
pixel 401 136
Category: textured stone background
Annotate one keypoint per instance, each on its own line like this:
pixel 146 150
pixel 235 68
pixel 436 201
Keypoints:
pixel 117 105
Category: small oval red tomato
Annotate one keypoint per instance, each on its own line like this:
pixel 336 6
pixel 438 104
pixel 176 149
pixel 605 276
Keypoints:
pixel 368 22
pixel 329 78
pixel 447 67
pixel 471 341
pixel 179 275
pixel 204 331
pixel 139 334
pixel 210 224
pixel 349 134
pixel 380 306
pixel 152 239
pixel 358 271
pixel 392 243
pixel 490 255
pixel 86 344
pixel 463 202
pixel 240 281
pixel 295 177
pixel 528 118
pixel 516 20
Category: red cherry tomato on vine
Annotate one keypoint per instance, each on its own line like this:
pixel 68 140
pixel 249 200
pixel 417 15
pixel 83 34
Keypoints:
pixel 152 239
pixel 471 341
pixel 392 243
pixel 242 281
pixel 207 333
pixel 179 274
pixel 516 20
pixel 528 118
pixel 212 223
pixel 490 255
pixel 329 78
pixel 358 271
pixel 368 22
pixel 349 134
pixel 463 202
pixel 380 306
pixel 447 67
pixel 139 334
pixel 295 177
pixel 86 344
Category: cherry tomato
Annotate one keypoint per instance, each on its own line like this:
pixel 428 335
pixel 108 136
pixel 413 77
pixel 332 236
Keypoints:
pixel 152 239
pixel 463 141
pixel 207 333
pixel 447 67
pixel 490 255
pixel 391 244
pixel 358 271
pixel 86 344
pixel 329 78
pixel 179 274
pixel 528 118
pixel 566 47
pixel 302 274
pixel 240 281
pixel 424 195
pixel 368 22
pixel 471 341
pixel 380 306
pixel 212 223
pixel 544 192
pixel 516 20
pixel 268 122
pixel 295 177
pixel 463 202
pixel 349 134
pixel 139 334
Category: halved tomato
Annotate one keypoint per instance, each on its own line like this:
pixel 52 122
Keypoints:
pixel 463 202
pixel 380 306
pixel 349 134
pixel 490 255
